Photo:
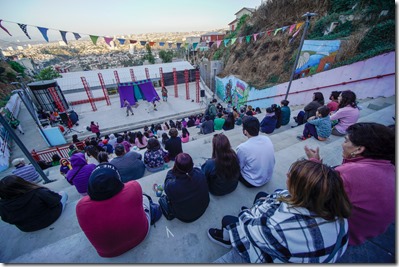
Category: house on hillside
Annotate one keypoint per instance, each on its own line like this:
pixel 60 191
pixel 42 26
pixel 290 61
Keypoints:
pixel 243 11
pixel 212 37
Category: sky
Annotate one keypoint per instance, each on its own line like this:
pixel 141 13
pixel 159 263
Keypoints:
pixel 116 17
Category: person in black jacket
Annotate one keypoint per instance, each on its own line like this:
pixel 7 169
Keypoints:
pixel 29 206
pixel 186 189
pixel 173 144
pixel 310 109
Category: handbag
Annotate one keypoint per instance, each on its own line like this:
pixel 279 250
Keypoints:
pixel 155 210
pixel 166 207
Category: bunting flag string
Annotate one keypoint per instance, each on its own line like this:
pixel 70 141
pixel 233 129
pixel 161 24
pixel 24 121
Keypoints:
pixel 23 28
pixel 248 38
pixel 233 40
pixel 195 45
pixel 226 41
pixel 151 43
pixel 77 36
pixel 143 43
pixel 108 40
pixel 43 31
pixel 161 43
pixel 292 28
pixel 276 31
pixel 121 41
pixel 4 29
pixel 63 35
pixel 94 39
pixel 218 43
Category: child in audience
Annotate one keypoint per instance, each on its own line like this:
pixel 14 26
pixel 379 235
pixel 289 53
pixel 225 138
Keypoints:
pixel 65 166
pixel 185 135
pixel 318 126
pixel 285 112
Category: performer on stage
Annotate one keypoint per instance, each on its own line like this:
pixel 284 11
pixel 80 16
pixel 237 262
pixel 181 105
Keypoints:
pixel 128 107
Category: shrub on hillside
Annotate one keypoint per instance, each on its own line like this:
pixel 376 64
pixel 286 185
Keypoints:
pixel 380 35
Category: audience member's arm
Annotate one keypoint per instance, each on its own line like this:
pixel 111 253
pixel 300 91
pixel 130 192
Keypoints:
pixel 312 153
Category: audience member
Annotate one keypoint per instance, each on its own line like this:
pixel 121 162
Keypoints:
pixel 277 113
pixel 310 109
pixel 112 140
pixel 333 105
pixel 173 145
pixel 347 113
pixel 114 216
pixel 229 122
pixel 92 154
pixel 207 126
pixel 185 135
pixel 80 172
pixel 219 122
pixel 256 155
pixel 268 124
pixel 141 141
pixel 284 227
pixel 129 164
pixel 65 166
pixel 222 171
pixel 186 189
pixel 211 110
pixel 26 172
pixel 369 177
pixel 75 138
pixel 165 137
pixel 154 156
pixel 28 206
pixel 319 126
pixel 285 112
pixel 102 157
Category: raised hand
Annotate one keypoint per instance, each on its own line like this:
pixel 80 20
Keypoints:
pixel 312 153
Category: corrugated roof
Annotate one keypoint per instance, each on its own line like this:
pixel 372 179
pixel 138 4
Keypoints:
pixel 252 10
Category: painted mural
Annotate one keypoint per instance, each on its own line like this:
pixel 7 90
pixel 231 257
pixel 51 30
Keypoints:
pixel 232 88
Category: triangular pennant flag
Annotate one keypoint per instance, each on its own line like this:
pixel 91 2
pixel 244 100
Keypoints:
pixel 43 31
pixel 121 41
pixel 108 40
pixel 151 43
pixel 170 45
pixel 210 44
pixel 63 35
pixel 291 28
pixel 4 28
pixel 284 28
pixel 248 38
pixel 298 25
pixel 294 35
pixel 276 31
pixel 178 45
pixel 132 41
pixel 161 43
pixel 255 35
pixel 195 45
pixel 261 34
pixel 143 43
pixel 93 39
pixel 77 35
pixel 23 28
pixel 218 43
pixel 269 32
pixel 226 41
pixel 233 40
pixel 240 39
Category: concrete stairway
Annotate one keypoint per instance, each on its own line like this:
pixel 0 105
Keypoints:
pixel 64 242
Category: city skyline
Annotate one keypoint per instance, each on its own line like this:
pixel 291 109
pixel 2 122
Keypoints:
pixel 121 17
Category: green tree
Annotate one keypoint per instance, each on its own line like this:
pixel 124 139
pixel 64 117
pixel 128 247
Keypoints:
pixel 166 56
pixel 47 74
pixel 149 56
pixel 17 67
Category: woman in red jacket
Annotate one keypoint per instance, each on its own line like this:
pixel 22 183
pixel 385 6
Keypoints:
pixel 114 216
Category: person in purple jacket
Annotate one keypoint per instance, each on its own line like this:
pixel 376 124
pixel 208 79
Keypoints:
pixel 80 173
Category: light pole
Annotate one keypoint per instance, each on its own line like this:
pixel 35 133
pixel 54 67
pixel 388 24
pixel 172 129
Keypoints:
pixel 308 16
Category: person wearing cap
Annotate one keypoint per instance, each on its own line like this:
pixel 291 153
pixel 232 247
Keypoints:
pixel 256 155
pixel 129 165
pixel 114 216
pixel 187 190
pixel 26 172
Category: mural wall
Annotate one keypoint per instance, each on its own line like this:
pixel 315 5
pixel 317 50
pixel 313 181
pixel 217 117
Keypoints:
pixel 373 77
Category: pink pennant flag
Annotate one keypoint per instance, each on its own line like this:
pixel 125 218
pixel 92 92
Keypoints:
pixel 255 35
pixel 108 40
pixel 240 39
pixel 218 43
pixel 292 27
pixel 1 26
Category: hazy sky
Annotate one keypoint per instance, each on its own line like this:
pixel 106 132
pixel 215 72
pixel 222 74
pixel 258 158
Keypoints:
pixel 117 17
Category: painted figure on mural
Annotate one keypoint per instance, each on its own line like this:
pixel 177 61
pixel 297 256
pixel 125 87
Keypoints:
pixel 227 92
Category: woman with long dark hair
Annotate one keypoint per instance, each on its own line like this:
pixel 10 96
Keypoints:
pixel 154 156
pixel 29 206
pixel 222 170
pixel 185 135
pixel 347 113
pixel 141 141
pixel 310 109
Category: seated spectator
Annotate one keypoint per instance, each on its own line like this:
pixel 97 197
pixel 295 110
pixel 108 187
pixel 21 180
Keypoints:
pixel 26 172
pixel 268 124
pixel 369 177
pixel 250 111
pixel 222 171
pixel 218 122
pixel 80 173
pixel 191 121
pixel 333 105
pixel 310 109
pixel 207 126
pixel 172 124
pixel 166 126
pixel 154 156
pixel 347 113
pixel 91 155
pixel 126 144
pixel 55 160
pixel 102 157
pixel 285 112
pixel 72 149
pixel 186 189
pixel 178 125
pixel 173 145
pixel 184 122
pixel 141 141
pixel 165 137
pixel 229 121
pixel 65 166
pixel 319 126
pixel 277 112
pixel 114 216
pixel 284 227
pixel 112 140
pixel 185 135
pixel 107 147
pixel 28 206
pixel 129 165
pixel 256 155
pixel 75 138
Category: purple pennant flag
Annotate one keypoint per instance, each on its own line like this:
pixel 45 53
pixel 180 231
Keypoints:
pixel 4 28
pixel 170 45
pixel 178 45
pixel 108 40
pixel 44 32
pixel 211 43
pixel 77 36
pixel 23 28
pixel 63 35
pixel 121 41
pixel 143 43
pixel 240 39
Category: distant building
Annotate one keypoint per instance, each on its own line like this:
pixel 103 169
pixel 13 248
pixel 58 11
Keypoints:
pixel 243 11
pixel 209 70
pixel 212 37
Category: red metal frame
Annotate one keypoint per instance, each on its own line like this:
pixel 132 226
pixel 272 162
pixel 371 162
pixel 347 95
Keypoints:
pixel 105 91
pixel 56 99
pixel 175 81
pixel 89 93
pixel 132 75
pixel 117 77
pixel 187 86
pixel 62 151
pixel 161 75
pixel 197 87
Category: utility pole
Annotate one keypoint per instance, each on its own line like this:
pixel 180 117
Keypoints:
pixel 308 17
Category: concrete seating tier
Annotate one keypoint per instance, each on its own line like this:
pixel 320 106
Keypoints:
pixel 64 241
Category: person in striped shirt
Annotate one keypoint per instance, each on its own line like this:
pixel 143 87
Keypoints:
pixel 26 172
